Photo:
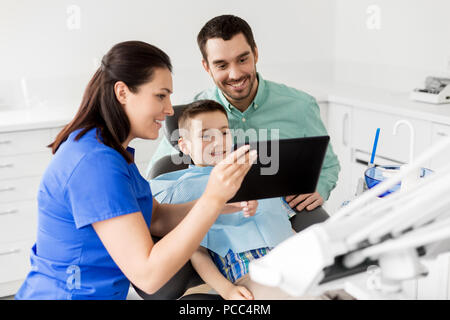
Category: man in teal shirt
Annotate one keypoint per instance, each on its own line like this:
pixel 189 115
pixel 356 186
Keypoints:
pixel 264 109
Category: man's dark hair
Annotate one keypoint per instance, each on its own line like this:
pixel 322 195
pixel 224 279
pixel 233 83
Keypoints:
pixel 224 27
pixel 198 107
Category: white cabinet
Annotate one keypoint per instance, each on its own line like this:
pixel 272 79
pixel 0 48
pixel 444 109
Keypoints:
pixel 323 107
pixel 14 265
pixel 24 142
pixel 339 120
pixel 23 158
pixel 440 131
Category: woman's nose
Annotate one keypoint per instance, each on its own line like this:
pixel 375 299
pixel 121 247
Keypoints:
pixel 168 110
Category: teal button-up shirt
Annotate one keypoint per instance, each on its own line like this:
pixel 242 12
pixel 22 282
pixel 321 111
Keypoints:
pixel 284 112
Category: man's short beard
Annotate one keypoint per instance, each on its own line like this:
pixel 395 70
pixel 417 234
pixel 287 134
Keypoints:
pixel 251 84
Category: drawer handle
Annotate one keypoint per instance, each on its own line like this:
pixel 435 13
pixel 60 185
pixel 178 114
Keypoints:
pixel 364 163
pixel 8 252
pixel 8 165
pixel 13 211
pixel 442 134
pixel 7 189
pixel 6 142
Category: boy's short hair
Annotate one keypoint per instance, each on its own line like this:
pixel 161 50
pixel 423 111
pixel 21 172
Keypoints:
pixel 199 107
pixel 224 27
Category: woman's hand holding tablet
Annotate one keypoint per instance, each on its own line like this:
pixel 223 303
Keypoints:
pixel 228 174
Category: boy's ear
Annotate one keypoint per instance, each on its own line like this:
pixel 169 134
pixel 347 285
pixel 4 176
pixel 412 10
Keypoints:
pixel 183 145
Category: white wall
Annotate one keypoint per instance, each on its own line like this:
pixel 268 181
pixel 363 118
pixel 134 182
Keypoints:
pixel 413 42
pixel 301 40
pixel 295 39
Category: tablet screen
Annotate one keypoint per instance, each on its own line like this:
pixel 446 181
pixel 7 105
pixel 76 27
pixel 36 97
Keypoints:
pixel 284 167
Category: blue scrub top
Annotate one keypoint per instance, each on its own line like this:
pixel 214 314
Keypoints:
pixel 85 182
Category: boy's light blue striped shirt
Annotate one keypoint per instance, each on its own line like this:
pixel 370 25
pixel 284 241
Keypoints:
pixel 267 228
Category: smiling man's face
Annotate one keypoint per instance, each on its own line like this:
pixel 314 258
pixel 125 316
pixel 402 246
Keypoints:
pixel 232 65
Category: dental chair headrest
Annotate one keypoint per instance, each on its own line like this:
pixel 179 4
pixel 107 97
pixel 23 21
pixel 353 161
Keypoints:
pixel 171 125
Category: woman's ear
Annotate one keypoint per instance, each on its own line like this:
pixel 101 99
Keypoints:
pixel 121 91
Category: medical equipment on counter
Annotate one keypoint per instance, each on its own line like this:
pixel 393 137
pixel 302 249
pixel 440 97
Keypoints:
pixel 375 175
pixel 437 90
pixel 362 184
pixel 393 233
pixel 374 149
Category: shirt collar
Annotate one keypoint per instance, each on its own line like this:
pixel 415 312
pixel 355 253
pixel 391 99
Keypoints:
pixel 205 170
pixel 131 151
pixel 260 97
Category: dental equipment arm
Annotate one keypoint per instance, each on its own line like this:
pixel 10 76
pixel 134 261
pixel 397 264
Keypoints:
pixel 391 231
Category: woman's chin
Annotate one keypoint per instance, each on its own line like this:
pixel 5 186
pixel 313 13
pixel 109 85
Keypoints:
pixel 152 135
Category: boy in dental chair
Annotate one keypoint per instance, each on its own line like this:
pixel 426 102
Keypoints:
pixel 235 239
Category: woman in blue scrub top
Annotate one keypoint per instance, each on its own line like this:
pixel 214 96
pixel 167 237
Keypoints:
pixel 96 212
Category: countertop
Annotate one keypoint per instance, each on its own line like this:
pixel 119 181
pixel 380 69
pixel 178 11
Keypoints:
pixel 397 103
pixel 34 118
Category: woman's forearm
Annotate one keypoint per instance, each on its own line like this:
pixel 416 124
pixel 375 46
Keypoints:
pixel 167 216
pixel 170 253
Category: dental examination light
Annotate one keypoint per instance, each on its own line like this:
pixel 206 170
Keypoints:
pixel 394 232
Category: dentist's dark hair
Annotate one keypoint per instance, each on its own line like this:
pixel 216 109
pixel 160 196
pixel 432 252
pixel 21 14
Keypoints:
pixel 132 62
pixel 224 27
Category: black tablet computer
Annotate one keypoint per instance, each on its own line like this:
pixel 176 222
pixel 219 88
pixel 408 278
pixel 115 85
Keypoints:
pixel 284 167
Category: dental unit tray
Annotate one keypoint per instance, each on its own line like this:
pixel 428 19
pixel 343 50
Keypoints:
pixel 437 90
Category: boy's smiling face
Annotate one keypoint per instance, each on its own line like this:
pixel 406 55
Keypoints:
pixel 206 139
